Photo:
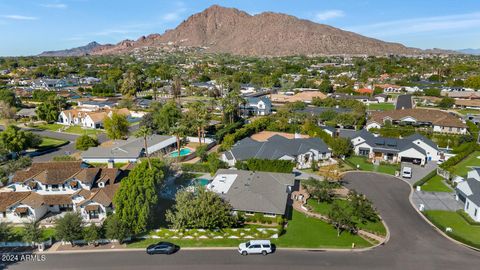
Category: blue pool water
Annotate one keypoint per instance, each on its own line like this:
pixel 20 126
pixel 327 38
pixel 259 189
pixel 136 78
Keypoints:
pixel 202 181
pixel 183 152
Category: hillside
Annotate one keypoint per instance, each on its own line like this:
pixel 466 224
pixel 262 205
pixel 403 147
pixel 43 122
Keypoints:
pixel 79 51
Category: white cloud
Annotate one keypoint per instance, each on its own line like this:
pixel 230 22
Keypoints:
pixel 19 17
pixel 329 14
pixel 420 25
pixel 56 5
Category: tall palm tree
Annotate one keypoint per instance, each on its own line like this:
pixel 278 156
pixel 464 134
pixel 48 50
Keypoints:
pixel 179 131
pixel 145 132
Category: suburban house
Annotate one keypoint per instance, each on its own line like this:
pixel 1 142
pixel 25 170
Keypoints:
pixel 130 150
pixel 389 88
pixel 415 148
pixel 254 192
pixel 361 98
pixel 90 119
pixel 302 151
pixel 257 106
pixel 57 187
pixel 305 96
pixel 468 192
pixel 439 121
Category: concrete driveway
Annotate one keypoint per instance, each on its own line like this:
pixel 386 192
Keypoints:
pixel 418 172
pixel 436 200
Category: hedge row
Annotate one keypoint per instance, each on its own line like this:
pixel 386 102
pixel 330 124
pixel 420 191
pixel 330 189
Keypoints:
pixel 460 156
pixel 425 179
pixel 249 129
pixel 467 218
pixel 195 167
pixel 266 165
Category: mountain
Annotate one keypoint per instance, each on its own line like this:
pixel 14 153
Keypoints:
pixel 79 51
pixel 470 51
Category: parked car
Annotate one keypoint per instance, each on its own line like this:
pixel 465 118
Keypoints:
pixel 162 248
pixel 440 161
pixel 407 172
pixel 263 247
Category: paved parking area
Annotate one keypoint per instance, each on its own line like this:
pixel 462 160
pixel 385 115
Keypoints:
pixel 436 200
pixel 418 172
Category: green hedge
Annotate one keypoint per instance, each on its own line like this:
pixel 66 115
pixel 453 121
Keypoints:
pixel 425 179
pixel 452 234
pixel 195 167
pixel 266 165
pixel 460 156
pixel 467 218
pixel 249 129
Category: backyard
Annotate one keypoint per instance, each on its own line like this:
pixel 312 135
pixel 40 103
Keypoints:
pixel 462 168
pixel 436 184
pixel 365 165
pixel 381 106
pixel 462 230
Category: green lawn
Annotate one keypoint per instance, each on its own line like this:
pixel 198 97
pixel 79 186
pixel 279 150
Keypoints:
pixel 468 111
pixel 366 165
pixel 462 168
pixel 51 127
pixel 381 106
pixel 436 184
pixel 81 131
pixel 462 231
pixel 324 207
pixel 18 232
pixel 48 142
pixel 302 231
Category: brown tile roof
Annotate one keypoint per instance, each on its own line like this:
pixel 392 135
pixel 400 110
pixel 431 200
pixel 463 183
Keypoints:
pixel 87 175
pixel 34 200
pixel 92 207
pixel 57 199
pixel 467 102
pixel 435 117
pixel 104 196
pixel 98 116
pixel 66 167
pixel 108 175
pixel 9 198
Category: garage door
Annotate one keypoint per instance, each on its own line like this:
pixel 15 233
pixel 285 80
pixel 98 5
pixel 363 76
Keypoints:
pixel 411 160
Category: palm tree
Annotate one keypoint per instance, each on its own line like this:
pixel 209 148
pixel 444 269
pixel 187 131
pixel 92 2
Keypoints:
pixel 199 113
pixel 145 132
pixel 179 131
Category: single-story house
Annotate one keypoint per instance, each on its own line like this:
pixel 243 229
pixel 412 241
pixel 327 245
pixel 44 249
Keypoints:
pixel 302 151
pixel 440 121
pixel 130 150
pixel 254 192
pixel 468 192
pixel 414 148
pixel 91 119
pixel 305 96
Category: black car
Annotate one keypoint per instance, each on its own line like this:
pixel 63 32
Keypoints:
pixel 162 248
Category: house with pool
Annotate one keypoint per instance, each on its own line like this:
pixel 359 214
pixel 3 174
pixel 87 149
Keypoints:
pixel 130 150
pixel 251 192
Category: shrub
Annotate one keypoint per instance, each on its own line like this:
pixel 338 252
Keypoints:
pixel 64 158
pixel 425 179
pixel 266 165
pixel 84 142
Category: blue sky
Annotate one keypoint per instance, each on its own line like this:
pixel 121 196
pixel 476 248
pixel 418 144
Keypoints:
pixel 31 26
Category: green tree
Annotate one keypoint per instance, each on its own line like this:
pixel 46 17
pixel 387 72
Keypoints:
pixel 15 140
pixel 362 207
pixel 130 84
pixel 201 209
pixel 69 227
pixel 473 82
pixel 33 232
pixel 48 111
pixel 137 196
pixel 84 142
pixel 341 218
pixel 446 103
pixel 8 96
pixel 179 131
pixel 116 126
pixel 167 117
pixel 341 146
pixel 115 228
pixel 91 234
pixel 5 232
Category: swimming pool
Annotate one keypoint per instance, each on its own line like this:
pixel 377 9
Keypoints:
pixel 183 152
pixel 202 181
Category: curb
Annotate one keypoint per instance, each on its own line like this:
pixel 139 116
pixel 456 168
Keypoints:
pixel 412 190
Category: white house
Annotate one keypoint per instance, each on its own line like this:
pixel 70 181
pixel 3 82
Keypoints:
pixel 468 192
pixel 257 106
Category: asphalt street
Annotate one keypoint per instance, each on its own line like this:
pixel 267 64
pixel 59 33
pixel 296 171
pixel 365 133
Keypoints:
pixel 413 244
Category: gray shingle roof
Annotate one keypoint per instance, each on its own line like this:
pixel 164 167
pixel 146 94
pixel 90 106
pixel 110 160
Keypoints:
pixel 404 102
pixel 276 147
pixel 262 192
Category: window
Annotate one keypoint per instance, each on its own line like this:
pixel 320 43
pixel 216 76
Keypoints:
pixel 254 246
pixel 249 213
pixel 269 215
pixel 93 214
pixel 475 214
pixel 266 246
pixel 54 187
pixel 467 205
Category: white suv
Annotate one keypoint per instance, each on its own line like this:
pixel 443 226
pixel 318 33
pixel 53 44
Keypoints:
pixel 407 172
pixel 255 247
